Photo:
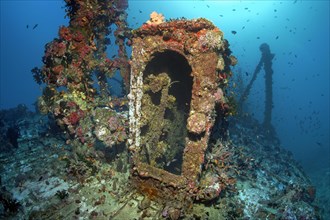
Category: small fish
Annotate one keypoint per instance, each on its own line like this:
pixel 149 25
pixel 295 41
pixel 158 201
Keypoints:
pixel 276 37
pixel 243 27
pixel 258 37
pixel 318 143
pixel 27 26
pixel 140 11
pixel 234 32
pixel 169 163
pixel 35 26
pixel 246 73
pixel 208 6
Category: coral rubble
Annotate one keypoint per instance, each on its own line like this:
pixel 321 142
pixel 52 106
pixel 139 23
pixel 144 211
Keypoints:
pixel 249 177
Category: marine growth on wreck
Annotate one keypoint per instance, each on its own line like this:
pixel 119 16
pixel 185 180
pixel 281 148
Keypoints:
pixel 165 150
pixel 178 71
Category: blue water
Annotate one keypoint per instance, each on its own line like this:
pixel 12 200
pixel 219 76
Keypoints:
pixel 297 32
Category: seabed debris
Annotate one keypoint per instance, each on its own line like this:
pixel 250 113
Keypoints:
pixel 257 177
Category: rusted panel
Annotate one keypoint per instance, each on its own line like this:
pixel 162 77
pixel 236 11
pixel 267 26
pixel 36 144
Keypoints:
pixel 177 68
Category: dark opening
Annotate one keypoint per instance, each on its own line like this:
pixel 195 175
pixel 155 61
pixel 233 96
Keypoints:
pixel 179 70
pixel 172 135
